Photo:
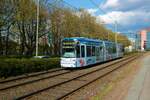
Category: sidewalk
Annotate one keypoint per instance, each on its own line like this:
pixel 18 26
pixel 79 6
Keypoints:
pixel 140 87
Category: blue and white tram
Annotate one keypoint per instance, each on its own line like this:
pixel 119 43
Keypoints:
pixel 80 52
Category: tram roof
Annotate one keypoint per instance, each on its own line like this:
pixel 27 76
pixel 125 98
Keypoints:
pixel 87 40
pixel 82 39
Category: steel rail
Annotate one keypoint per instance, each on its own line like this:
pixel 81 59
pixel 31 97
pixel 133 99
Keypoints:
pixel 32 81
pixel 30 75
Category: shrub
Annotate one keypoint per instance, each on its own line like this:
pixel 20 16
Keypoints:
pixel 13 67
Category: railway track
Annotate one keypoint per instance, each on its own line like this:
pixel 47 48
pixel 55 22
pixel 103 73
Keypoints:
pixel 95 79
pixel 29 75
pixel 19 81
pixel 52 83
pixel 31 78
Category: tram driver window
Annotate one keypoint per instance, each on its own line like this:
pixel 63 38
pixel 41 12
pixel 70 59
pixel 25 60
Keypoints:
pixel 78 51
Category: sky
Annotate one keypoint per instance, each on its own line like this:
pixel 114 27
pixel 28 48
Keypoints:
pixel 130 15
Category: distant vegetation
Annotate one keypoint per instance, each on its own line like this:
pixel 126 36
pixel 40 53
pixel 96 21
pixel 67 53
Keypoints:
pixel 56 21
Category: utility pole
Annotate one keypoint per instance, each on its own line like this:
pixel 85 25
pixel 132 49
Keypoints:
pixel 37 28
pixel 116 37
pixel 108 36
pixel 116 31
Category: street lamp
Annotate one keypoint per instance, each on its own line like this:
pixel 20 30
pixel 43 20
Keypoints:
pixel 37 28
pixel 116 41
pixel 116 31
pixel 104 23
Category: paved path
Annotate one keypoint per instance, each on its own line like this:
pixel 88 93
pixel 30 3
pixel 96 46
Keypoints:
pixel 140 89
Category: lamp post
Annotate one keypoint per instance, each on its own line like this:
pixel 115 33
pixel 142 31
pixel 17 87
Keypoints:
pixel 103 23
pixel 116 41
pixel 37 28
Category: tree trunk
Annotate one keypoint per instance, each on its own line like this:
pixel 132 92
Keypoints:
pixel 1 44
pixel 22 47
pixel 29 51
pixel 7 40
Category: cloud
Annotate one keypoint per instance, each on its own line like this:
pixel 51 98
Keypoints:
pixel 92 11
pixel 125 5
pixel 129 19
pixel 131 14
pixel 111 3
pixel 119 16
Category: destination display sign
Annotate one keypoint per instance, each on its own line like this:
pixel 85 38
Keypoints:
pixel 68 46
pixel 69 43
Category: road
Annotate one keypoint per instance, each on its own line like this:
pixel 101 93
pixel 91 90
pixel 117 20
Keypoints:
pixel 140 87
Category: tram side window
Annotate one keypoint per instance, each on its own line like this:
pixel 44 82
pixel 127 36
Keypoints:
pixel 78 51
pixel 110 48
pixel 93 50
pixel 120 48
pixel 82 51
pixel 97 53
pixel 114 48
pixel 101 48
pixel 107 47
pixel 89 51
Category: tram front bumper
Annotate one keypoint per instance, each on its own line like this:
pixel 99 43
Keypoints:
pixel 68 65
pixel 68 62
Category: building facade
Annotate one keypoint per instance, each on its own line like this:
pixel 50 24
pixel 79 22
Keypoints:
pixel 144 37
pixel 138 42
pixel 148 41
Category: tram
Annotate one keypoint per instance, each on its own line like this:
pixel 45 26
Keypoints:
pixel 81 52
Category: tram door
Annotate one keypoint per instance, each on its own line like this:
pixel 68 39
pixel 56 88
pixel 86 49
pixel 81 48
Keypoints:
pixel 82 51
pixel 99 54
pixel 82 60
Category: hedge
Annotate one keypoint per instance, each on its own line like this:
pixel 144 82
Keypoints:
pixel 14 67
pixel 14 56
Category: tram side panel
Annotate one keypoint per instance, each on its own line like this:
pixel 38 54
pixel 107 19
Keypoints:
pixel 86 56
pixel 108 51
pixel 120 50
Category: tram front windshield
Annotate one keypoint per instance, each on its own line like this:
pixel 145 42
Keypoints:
pixel 68 53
